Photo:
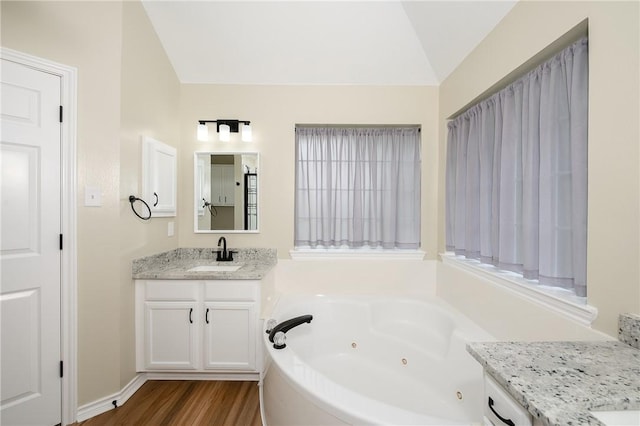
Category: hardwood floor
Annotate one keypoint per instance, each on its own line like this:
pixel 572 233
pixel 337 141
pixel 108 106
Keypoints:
pixel 167 402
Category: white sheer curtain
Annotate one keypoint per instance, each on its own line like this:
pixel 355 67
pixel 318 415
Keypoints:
pixel 516 177
pixel 357 187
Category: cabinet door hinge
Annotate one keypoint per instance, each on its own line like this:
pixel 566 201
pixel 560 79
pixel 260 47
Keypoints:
pixel 60 241
pixel 61 113
pixel 61 368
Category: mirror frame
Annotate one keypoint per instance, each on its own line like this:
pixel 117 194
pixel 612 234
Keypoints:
pixel 196 202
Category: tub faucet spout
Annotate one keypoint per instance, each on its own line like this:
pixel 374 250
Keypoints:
pixel 287 325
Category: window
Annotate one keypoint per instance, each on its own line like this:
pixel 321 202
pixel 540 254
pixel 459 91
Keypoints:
pixel 357 188
pixel 516 178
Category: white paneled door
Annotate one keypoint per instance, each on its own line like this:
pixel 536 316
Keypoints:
pixel 30 246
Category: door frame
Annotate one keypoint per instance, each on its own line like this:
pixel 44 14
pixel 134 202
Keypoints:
pixel 68 185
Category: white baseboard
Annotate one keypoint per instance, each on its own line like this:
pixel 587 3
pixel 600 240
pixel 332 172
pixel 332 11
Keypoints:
pixel 202 376
pixel 105 404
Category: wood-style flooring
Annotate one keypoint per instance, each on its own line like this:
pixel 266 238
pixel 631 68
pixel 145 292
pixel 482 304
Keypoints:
pixel 168 402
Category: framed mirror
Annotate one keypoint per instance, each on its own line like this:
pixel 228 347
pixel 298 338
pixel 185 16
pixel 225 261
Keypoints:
pixel 225 192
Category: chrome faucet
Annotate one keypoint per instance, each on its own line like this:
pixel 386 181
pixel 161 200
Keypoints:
pixel 224 255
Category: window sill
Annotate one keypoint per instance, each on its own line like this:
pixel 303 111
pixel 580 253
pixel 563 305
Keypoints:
pixel 558 300
pixel 351 254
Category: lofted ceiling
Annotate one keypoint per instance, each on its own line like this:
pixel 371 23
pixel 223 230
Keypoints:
pixel 321 42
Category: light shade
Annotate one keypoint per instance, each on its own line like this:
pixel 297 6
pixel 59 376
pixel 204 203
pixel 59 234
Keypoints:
pixel 246 133
pixel 225 132
pixel 203 132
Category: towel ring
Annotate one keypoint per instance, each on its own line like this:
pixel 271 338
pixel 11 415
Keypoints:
pixel 133 199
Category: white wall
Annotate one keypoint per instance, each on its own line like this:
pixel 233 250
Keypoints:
pixel 613 275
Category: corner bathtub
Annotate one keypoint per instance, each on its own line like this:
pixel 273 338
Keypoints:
pixel 372 360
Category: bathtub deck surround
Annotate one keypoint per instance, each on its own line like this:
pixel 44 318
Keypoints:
pixel 176 264
pixel 559 382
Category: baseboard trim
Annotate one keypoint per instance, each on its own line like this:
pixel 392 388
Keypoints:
pixel 203 376
pixel 105 404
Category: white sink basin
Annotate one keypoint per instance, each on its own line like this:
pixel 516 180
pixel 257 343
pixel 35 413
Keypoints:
pixel 618 418
pixel 215 268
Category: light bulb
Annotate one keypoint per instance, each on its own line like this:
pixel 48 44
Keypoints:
pixel 203 132
pixel 246 133
pixel 225 132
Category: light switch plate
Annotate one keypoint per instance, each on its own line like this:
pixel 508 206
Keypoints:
pixel 92 196
pixel 170 229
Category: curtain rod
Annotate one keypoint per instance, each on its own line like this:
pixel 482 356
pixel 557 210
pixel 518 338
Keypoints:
pixel 358 126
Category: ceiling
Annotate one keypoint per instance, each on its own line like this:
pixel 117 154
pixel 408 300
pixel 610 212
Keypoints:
pixel 321 42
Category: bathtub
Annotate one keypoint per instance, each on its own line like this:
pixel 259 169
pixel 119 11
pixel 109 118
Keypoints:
pixel 372 360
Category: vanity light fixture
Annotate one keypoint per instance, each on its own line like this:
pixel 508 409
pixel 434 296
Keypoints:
pixel 224 129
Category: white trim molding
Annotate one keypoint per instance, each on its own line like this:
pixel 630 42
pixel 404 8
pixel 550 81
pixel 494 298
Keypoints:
pixel 560 301
pixel 353 254
pixel 68 184
pixel 112 401
pixel 249 377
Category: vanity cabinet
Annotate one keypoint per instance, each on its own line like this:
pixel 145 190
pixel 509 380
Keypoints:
pixel 223 185
pixel 197 326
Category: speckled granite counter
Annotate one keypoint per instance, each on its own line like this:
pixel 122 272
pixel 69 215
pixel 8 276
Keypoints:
pixel 629 329
pixel 559 382
pixel 175 264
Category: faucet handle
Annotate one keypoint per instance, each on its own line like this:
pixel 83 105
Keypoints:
pixel 279 340
pixel 271 323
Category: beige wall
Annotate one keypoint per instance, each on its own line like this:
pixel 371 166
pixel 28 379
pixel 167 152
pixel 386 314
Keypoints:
pixel 150 100
pixel 614 84
pixel 273 112
pixel 86 35
pixel 125 87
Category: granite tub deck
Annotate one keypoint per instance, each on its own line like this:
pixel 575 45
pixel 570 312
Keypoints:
pixel 559 382
pixel 175 264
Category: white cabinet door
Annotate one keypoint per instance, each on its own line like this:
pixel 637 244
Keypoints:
pixel 222 184
pixel 229 339
pixel 171 335
pixel 159 180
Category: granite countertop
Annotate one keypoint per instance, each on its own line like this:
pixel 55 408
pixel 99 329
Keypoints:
pixel 175 264
pixel 559 382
